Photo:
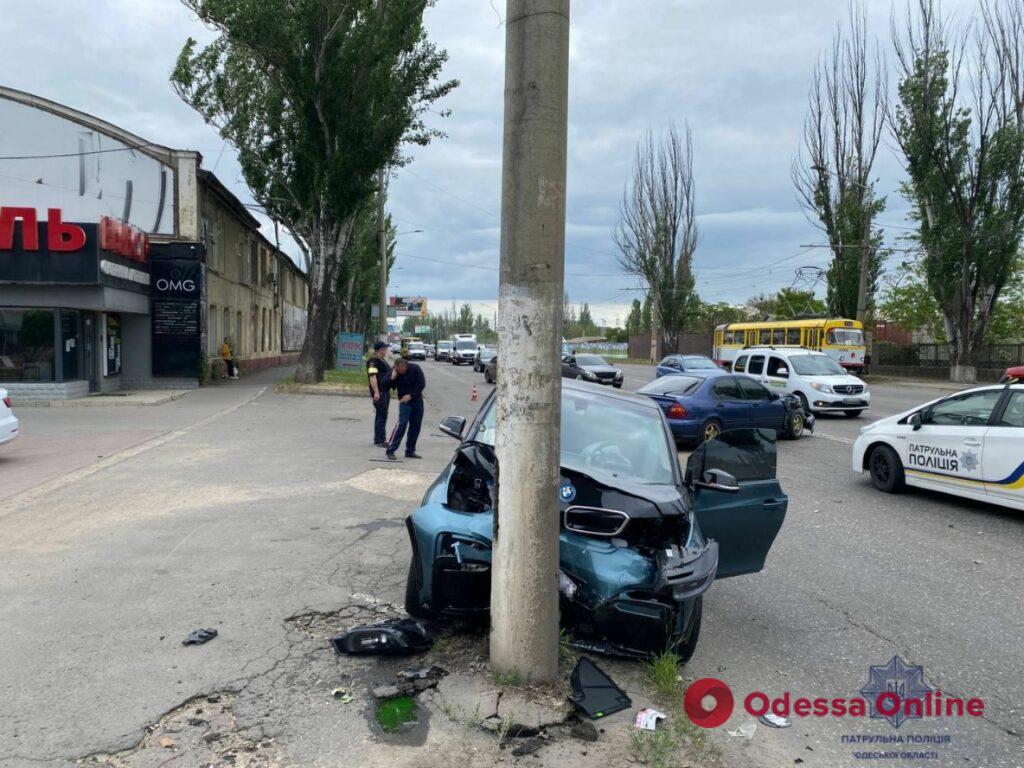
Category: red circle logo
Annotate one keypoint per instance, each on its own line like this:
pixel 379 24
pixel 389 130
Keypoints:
pixel 693 702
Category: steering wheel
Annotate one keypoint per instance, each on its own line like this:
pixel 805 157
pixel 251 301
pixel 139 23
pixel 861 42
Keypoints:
pixel 606 455
pixel 973 420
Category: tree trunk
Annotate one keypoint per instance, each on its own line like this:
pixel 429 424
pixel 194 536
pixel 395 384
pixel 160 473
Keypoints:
pixel 328 246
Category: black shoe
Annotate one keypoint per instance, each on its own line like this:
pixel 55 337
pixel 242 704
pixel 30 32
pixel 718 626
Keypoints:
pixel 413 456
pixel 390 456
pixel 380 445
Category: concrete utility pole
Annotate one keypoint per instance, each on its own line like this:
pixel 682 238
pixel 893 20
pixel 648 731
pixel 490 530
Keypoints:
pixel 382 244
pixel 524 582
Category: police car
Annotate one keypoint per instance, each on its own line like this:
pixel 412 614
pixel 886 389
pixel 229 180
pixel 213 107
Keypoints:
pixel 969 444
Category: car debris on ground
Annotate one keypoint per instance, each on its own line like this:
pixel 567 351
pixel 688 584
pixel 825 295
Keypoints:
pixel 594 692
pixel 774 721
pixel 388 638
pixel 199 637
pixel 647 719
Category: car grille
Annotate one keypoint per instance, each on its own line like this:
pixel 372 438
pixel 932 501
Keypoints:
pixel 606 376
pixel 848 389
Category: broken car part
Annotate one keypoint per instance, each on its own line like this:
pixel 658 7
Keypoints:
pixel 389 638
pixel 594 692
pixel 199 637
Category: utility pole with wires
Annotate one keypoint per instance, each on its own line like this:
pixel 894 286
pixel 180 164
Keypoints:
pixel 524 575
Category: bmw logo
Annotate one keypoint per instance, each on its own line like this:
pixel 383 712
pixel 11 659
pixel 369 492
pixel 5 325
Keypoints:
pixel 567 492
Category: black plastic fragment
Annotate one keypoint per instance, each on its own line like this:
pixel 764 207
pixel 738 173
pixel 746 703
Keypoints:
pixel 199 637
pixel 594 692
pixel 389 638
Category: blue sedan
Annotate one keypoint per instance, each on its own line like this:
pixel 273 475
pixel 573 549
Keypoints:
pixel 702 365
pixel 700 408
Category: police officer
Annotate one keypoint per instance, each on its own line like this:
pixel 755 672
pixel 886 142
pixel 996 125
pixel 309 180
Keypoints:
pixel 410 382
pixel 378 373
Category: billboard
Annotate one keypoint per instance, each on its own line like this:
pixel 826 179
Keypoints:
pixel 409 306
pixel 349 351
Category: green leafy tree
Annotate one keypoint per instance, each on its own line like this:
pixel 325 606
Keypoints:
pixel 833 173
pixel 634 321
pixel 317 96
pixel 710 316
pixel 464 322
pixel 647 314
pixel 657 233
pixel 911 305
pixel 359 276
pixel 587 326
pixel 959 125
pixel 787 304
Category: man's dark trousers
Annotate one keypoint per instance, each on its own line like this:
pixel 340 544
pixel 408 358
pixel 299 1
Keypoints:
pixel 410 415
pixel 380 419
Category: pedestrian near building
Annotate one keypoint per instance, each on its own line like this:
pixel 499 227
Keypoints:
pixel 378 374
pixel 409 381
pixel 227 354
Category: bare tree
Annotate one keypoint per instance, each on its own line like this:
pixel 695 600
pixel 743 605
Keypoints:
pixel 657 232
pixel 832 174
pixel 959 125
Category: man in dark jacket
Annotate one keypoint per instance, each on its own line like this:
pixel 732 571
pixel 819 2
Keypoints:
pixel 378 374
pixel 408 379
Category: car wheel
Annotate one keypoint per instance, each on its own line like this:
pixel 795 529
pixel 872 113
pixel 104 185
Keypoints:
pixel 618 386
pixel 686 648
pixel 487 376
pixel 710 430
pixel 886 469
pixel 853 414
pixel 412 592
pixel 795 425
pixel 580 377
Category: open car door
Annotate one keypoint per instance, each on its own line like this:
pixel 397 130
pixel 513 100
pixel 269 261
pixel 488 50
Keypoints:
pixel 736 497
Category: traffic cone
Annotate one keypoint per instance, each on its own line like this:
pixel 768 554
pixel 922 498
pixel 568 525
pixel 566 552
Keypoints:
pixel 472 397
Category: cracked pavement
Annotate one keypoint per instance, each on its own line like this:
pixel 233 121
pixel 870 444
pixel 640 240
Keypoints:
pixel 260 515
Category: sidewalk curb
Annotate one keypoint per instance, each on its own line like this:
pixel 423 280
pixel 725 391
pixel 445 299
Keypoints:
pixel 101 401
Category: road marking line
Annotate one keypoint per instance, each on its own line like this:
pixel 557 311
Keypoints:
pixel 9 505
pixel 835 438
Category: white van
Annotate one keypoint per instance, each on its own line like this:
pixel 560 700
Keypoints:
pixel 818 380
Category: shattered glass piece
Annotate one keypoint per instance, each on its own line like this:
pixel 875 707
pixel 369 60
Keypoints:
pixel 199 637
pixel 774 721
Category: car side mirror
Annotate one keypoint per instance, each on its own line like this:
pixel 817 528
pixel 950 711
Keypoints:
pixel 916 421
pixel 782 373
pixel 453 426
pixel 776 396
pixel 719 480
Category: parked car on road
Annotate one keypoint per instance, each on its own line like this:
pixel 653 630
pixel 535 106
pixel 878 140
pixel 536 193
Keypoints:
pixel 443 351
pixel 591 368
pixel 968 444
pixel 491 370
pixel 430 349
pixel 8 421
pixel 700 408
pixel 819 381
pixel 639 542
pixel 483 356
pixel 685 364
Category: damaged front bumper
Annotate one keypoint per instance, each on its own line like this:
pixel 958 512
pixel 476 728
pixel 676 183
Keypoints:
pixel 614 598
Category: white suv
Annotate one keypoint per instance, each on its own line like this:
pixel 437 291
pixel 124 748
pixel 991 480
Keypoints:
pixel 818 380
pixel 8 421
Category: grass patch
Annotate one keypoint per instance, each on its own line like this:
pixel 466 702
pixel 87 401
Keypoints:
pixel 392 714
pixel 507 679
pixel 662 674
pixel 347 376
pixel 657 749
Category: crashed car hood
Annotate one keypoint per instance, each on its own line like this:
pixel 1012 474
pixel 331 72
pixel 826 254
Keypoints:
pixel 637 500
pixel 599 369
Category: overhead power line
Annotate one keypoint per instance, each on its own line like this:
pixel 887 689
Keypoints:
pixel 79 154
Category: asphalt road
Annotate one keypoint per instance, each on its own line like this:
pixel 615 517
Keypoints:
pixel 238 508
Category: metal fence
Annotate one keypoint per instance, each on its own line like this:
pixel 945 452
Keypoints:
pixel 937 355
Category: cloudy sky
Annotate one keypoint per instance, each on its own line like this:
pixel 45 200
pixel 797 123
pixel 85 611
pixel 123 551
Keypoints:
pixel 736 72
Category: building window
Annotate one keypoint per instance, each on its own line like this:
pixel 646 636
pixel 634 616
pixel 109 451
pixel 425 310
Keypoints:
pixel 26 345
pixel 240 341
pixel 254 263
pixel 227 322
pixel 263 330
pixel 210 241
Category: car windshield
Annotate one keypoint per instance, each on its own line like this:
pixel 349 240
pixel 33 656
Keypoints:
pixel 590 360
pixel 698 364
pixel 607 438
pixel 465 345
pixel 416 345
pixel 816 365
pixel 444 345
pixel 846 337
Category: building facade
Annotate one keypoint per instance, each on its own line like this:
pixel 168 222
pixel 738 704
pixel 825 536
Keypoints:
pixel 124 264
